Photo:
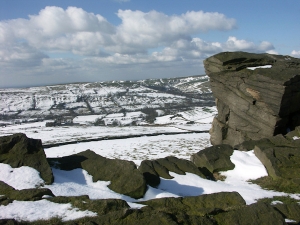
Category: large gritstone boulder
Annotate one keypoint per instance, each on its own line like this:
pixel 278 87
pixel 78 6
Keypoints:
pixel 198 205
pixel 154 169
pixel 214 159
pixel 124 176
pixel 253 103
pixel 258 213
pixel 18 150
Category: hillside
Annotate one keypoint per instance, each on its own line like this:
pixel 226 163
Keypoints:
pixel 104 98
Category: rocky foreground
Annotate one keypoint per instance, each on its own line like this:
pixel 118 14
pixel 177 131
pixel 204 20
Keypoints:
pixel 245 122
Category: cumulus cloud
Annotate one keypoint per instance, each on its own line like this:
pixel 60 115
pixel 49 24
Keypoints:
pixel 143 40
pixel 20 55
pixel 86 33
pixel 234 44
pixel 295 53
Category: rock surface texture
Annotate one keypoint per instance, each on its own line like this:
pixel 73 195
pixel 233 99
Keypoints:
pixel 154 169
pixel 253 103
pixel 214 159
pixel 18 150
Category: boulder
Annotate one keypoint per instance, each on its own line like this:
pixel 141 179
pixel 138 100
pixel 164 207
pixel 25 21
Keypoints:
pixel 154 169
pixel 202 205
pixel 280 162
pixel 281 157
pixel 290 211
pixel 253 104
pixel 18 150
pixel 214 159
pixel 258 213
pixel 124 176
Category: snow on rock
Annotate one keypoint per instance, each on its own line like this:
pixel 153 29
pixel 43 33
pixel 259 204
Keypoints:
pixel 20 178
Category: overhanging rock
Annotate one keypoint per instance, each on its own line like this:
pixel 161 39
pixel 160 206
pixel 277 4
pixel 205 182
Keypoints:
pixel 253 103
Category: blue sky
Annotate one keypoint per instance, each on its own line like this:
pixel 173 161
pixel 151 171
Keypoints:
pixel 51 42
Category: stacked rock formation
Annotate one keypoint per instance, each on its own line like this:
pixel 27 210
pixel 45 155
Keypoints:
pixel 253 103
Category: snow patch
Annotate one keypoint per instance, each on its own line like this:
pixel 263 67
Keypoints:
pixel 257 67
pixel 20 178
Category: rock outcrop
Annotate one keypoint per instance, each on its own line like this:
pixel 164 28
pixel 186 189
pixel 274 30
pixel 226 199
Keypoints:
pixel 124 176
pixel 154 169
pixel 253 103
pixel 18 150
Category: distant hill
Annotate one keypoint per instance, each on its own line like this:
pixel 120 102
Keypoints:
pixel 48 102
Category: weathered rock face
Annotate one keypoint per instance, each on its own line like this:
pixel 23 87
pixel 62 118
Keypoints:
pixel 18 150
pixel 253 104
pixel 124 176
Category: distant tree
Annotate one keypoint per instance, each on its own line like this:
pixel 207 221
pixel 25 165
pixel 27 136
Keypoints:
pixel 99 122
pixel 115 123
pixel 151 114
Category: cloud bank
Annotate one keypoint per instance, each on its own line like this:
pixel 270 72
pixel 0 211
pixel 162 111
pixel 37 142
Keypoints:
pixel 67 45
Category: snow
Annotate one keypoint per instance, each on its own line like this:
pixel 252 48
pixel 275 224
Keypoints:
pixel 62 134
pixel 140 148
pixel 41 210
pixel 257 67
pixel 86 119
pixel 193 185
pixel 20 178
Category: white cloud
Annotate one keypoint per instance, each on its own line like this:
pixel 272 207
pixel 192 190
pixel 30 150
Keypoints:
pixel 86 33
pixel 234 44
pixel 20 55
pixel 153 29
pixel 143 43
pixel 295 53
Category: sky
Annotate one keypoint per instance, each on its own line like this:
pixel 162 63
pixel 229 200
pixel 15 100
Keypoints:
pixel 54 42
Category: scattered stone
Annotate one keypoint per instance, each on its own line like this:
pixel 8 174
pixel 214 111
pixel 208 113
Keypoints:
pixel 18 150
pixel 215 158
pixel 253 104
pixel 32 194
pixel 124 176
pixel 154 169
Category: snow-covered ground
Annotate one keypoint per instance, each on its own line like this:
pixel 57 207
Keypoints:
pixel 201 116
